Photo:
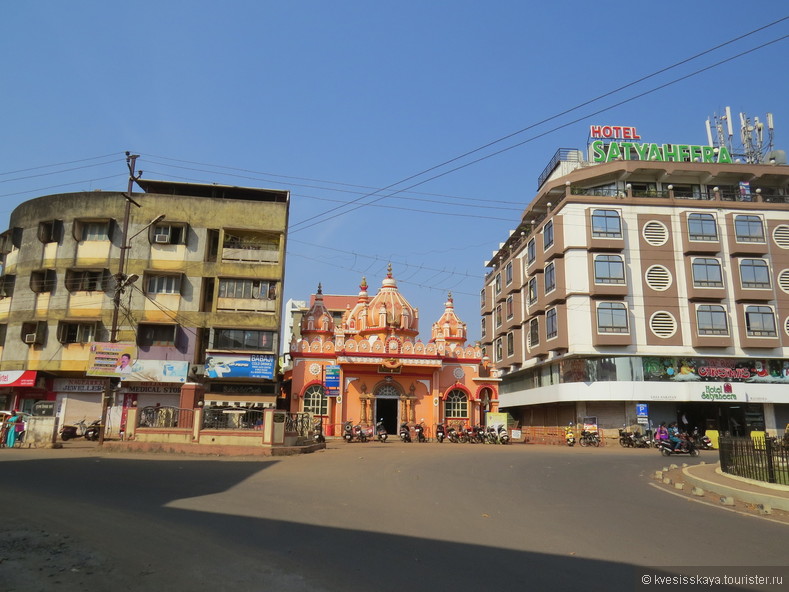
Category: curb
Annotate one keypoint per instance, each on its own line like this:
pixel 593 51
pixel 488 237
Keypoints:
pixel 752 497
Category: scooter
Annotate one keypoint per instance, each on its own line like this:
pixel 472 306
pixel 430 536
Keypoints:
pixel 440 433
pixel 380 431
pixel 702 442
pixel 317 433
pixel 405 433
pixel 79 429
pixel 347 432
pixel 504 435
pixel 569 436
pixel 452 435
pixel 685 446
pixel 420 433
pixel 360 433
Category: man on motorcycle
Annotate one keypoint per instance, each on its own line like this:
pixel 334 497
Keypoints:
pixel 673 436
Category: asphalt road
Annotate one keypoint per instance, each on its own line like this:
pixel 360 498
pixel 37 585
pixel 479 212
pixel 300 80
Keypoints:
pixel 380 516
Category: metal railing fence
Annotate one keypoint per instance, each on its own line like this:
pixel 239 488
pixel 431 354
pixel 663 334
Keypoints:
pixel 762 459
pixel 165 417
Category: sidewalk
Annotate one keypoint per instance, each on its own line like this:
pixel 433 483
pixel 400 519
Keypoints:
pixel 710 478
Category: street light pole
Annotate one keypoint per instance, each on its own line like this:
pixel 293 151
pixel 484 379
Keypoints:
pixel 120 279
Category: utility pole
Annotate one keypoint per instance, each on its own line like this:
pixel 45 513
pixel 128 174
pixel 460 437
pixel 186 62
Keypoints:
pixel 120 280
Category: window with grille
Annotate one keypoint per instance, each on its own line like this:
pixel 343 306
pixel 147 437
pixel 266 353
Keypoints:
pixel 609 269
pixel 531 251
pixel 243 339
pixel 247 288
pixel 612 317
pixel 508 273
pixel 707 273
pixel 510 344
pixel 551 324
pixel 547 236
pixel 510 307
pixel 532 290
pixel 754 273
pixel 712 319
pixel 702 227
pixel 760 321
pixel 550 278
pixel 498 350
pixel 164 284
pixel 749 229
pixel 534 333
pixel 315 401
pixel 456 404
pixel 85 280
pixel 75 332
pixel 498 283
pixel 484 329
pixel 606 224
pixel 498 315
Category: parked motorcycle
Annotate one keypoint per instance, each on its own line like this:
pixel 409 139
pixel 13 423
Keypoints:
pixel 440 433
pixel 79 430
pixel 685 446
pixel 405 432
pixel 420 433
pixel 453 436
pixel 360 433
pixel 380 431
pixel 491 437
pixel 702 441
pixel 347 432
pixel 643 440
pixel 504 435
pixel 589 439
pixel 317 432
pixel 626 439
pixel 569 436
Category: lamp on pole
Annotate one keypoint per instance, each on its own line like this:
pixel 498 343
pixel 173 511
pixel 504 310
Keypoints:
pixel 121 281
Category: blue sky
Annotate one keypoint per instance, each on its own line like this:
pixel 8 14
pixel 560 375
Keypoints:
pixel 333 100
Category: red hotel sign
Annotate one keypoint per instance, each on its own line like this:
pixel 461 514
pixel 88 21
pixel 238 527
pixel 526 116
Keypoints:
pixel 614 132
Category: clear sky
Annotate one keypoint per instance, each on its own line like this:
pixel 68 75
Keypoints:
pixel 335 100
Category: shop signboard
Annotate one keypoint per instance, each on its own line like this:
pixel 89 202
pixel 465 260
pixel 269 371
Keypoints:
pixel 332 380
pixel 111 359
pixel 240 366
pixel 716 370
pixel 18 378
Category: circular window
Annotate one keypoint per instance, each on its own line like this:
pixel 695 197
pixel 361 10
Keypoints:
pixel 786 325
pixel 655 233
pixel 781 236
pixel 663 324
pixel 658 278
pixel 783 280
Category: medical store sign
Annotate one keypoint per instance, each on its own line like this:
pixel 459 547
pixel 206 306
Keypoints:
pixel 615 142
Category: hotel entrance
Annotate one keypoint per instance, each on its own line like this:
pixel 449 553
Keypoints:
pixel 735 419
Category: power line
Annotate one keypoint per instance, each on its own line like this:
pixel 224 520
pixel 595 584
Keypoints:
pixel 297 225
pixel 46 166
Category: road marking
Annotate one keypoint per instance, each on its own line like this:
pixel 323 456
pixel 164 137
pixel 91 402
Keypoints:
pixel 706 503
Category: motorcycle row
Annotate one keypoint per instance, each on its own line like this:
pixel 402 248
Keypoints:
pixel 588 438
pixel 685 443
pixel 467 434
pixel 80 429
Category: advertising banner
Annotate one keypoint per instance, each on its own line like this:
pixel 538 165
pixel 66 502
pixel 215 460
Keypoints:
pixel 18 378
pixel 240 366
pixel 157 371
pixel 716 370
pixel 332 381
pixel 111 359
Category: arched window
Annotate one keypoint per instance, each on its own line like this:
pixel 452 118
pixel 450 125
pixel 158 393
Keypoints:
pixel 457 404
pixel 315 401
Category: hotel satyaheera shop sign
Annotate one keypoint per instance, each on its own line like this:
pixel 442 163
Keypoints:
pixel 616 142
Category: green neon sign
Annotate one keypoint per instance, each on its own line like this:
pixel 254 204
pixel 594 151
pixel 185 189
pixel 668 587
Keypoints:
pixel 602 152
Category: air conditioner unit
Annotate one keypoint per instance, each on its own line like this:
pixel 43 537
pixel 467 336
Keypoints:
pixel 162 239
pixel 30 338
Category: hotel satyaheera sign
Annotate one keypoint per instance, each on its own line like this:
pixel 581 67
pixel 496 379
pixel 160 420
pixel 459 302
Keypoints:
pixel 616 142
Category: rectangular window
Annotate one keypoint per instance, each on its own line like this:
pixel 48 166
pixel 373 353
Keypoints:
pixel 162 335
pixel 534 333
pixel 609 269
pixel 50 231
pixel 249 289
pixel 7 283
pixel 687 191
pixel 760 321
pixel 243 339
pixel 531 251
pixel 498 316
pixel 484 326
pixel 510 308
pixel 612 317
pixel 551 324
pixel 508 273
pixel 482 298
pixel 96 231
pixel 34 333
pixel 169 234
pixel 550 278
pixel 42 280
pixel 85 280
pixel 163 284
pixel 547 236
pixel 644 189
pixel 702 227
pixel 712 320
pixel 498 351
pixel 707 273
pixel 510 345
pixel 498 283
pixel 532 291
pixel 749 229
pixel 606 224
pixel 754 273
pixel 73 332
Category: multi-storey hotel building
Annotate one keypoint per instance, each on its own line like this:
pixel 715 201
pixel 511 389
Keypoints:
pixel 196 298
pixel 646 283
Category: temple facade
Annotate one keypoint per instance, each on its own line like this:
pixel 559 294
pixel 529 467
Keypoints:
pixel 372 366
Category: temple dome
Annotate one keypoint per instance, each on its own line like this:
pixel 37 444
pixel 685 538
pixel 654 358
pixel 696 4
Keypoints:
pixel 449 328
